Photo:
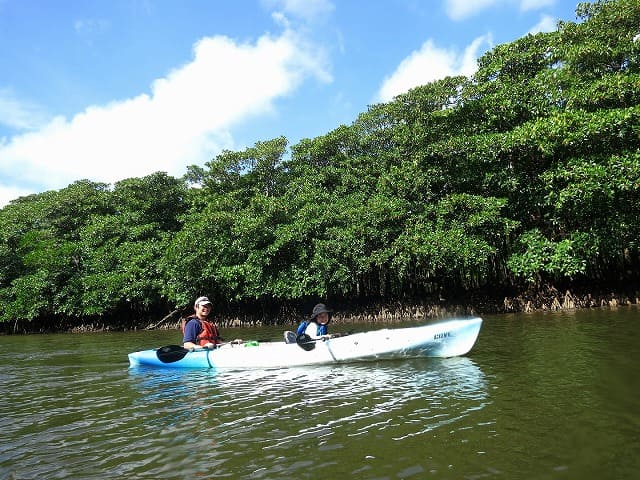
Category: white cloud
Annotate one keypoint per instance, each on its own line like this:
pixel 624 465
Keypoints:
pixel 460 9
pixel 90 26
pixel 526 5
pixel 10 193
pixel 428 64
pixel 19 115
pixel 184 120
pixel 307 10
pixel 547 23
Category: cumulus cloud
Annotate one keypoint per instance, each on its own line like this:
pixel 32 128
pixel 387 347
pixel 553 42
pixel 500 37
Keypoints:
pixel 183 120
pixel 547 23
pixel 10 193
pixel 461 9
pixel 428 64
pixel 19 115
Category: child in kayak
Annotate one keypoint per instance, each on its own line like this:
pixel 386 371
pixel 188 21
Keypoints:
pixel 316 326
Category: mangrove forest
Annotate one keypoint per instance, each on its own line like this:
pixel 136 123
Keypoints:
pixel 520 180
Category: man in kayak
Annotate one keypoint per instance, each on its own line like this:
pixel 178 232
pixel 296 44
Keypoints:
pixel 199 330
pixel 316 326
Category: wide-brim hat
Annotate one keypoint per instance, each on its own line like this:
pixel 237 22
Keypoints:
pixel 320 308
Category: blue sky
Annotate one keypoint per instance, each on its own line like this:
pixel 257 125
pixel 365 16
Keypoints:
pixel 112 89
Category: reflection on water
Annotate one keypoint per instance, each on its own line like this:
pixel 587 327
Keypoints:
pixel 298 413
pixel 91 421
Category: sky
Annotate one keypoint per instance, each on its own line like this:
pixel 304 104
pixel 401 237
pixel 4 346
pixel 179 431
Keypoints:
pixel 106 90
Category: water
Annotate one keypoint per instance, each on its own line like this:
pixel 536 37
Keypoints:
pixel 539 396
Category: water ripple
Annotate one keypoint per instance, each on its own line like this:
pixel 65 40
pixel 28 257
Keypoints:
pixel 552 398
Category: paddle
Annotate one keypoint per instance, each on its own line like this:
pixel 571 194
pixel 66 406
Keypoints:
pixel 171 353
pixel 305 342
pixel 174 353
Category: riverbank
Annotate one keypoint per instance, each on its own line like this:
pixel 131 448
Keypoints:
pixel 477 302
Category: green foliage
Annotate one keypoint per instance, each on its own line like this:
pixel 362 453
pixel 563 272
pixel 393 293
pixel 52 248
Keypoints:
pixel 454 242
pixel 526 172
pixel 603 42
pixel 85 250
pixel 542 259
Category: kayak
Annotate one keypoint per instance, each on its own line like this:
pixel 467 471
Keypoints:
pixel 444 339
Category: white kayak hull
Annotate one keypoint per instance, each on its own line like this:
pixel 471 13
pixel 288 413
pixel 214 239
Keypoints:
pixel 445 339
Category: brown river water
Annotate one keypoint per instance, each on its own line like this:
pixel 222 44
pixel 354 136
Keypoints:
pixel 544 395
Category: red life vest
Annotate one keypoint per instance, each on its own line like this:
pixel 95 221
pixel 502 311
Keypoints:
pixel 209 333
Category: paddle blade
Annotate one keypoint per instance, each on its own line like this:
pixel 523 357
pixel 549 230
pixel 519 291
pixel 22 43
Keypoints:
pixel 171 353
pixel 290 337
pixel 305 342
